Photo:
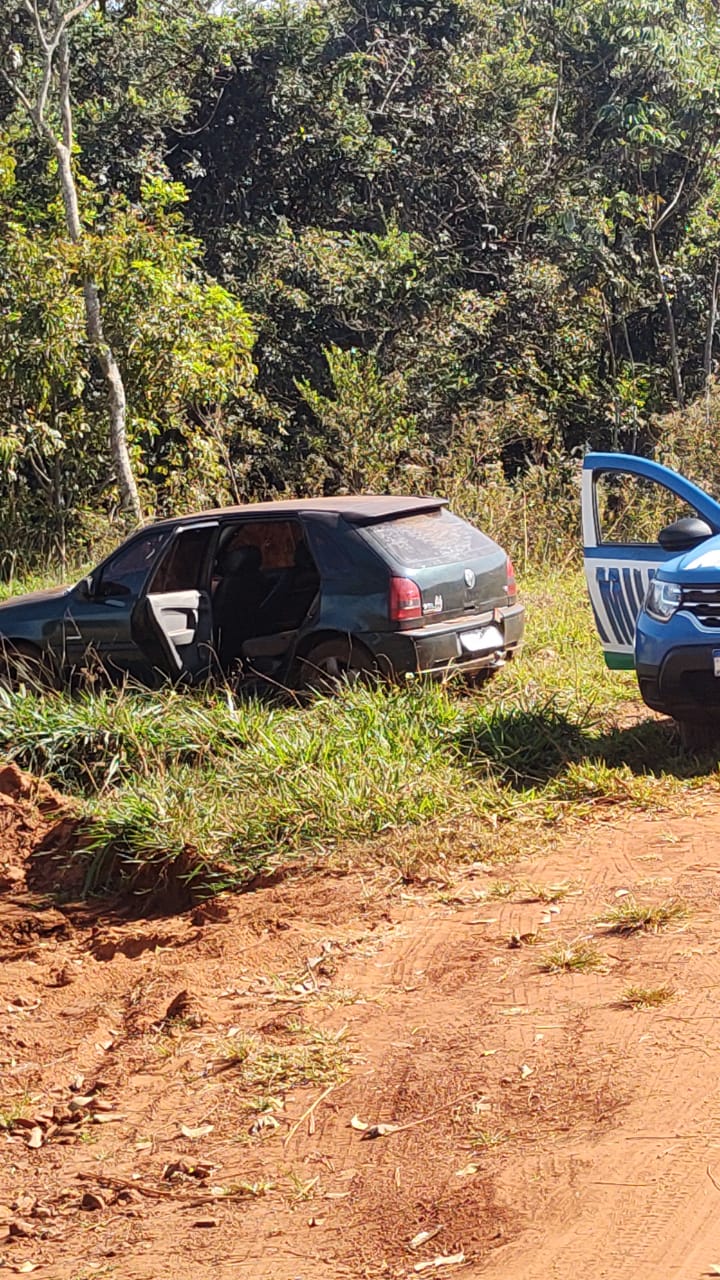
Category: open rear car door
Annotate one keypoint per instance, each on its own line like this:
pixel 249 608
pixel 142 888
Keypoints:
pixel 173 620
pixel 626 504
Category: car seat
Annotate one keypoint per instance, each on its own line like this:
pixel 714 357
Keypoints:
pixel 236 601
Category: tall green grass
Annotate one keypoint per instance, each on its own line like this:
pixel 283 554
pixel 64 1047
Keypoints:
pixel 215 788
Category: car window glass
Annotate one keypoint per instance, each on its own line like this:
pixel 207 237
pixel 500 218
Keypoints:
pixel 431 538
pixel 276 540
pixel 181 568
pixel 633 510
pixel 126 571
pixel 326 544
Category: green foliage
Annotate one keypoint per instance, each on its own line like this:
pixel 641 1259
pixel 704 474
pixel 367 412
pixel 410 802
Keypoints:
pixel 183 343
pixel 473 239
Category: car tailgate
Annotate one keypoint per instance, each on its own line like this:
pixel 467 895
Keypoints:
pixel 458 569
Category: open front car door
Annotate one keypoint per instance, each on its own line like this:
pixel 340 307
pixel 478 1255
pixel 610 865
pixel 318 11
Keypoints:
pixel 633 515
pixel 173 620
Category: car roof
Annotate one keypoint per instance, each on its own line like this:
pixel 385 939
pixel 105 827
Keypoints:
pixel 358 509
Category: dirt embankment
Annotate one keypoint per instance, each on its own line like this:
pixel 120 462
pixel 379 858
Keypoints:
pixel 184 1096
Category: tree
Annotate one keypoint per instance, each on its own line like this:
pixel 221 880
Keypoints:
pixel 43 89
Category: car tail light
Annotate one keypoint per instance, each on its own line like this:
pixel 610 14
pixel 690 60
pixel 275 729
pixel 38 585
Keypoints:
pixel 405 600
pixel 511 584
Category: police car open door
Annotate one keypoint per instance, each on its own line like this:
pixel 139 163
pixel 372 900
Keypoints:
pixel 627 502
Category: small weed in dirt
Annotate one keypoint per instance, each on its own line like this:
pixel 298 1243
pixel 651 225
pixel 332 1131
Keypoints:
pixel 486 1139
pixel 532 892
pixel 14 1109
pixel 301 1189
pixel 318 1058
pixel 501 889
pixel 631 916
pixel 647 997
pixel 573 957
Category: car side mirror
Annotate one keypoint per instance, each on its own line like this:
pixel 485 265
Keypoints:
pixel 84 588
pixel 112 591
pixel 685 534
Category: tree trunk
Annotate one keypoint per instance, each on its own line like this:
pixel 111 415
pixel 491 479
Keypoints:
pixel 710 338
pixel 129 495
pixel 672 334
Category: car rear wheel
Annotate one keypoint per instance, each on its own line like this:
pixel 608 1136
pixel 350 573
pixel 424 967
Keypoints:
pixel 332 663
pixel 699 735
pixel 23 664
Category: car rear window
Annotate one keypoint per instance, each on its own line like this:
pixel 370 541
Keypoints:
pixel 428 539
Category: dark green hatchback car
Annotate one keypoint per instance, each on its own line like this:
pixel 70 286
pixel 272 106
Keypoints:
pixel 297 592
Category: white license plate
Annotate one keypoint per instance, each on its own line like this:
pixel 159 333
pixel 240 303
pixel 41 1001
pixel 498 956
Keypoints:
pixel 716 662
pixel 485 641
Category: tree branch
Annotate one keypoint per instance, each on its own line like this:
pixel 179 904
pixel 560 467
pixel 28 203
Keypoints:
pixel 25 101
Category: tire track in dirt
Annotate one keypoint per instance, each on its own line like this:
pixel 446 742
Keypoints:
pixel 643 1202
pixel 579 1095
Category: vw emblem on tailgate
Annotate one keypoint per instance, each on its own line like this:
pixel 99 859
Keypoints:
pixel 469 577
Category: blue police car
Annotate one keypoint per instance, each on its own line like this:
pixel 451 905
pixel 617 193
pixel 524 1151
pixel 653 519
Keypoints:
pixel 652 562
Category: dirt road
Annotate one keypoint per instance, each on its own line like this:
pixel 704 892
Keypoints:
pixel 177 1093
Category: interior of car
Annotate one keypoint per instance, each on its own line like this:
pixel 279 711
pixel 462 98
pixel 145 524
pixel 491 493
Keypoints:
pixel 264 581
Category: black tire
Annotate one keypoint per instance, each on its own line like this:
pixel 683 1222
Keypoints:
pixel 699 735
pixel 331 663
pixel 23 664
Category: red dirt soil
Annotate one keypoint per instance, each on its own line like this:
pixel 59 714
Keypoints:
pixel 544 1128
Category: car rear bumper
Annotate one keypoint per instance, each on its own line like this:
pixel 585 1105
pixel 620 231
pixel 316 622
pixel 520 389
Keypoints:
pixel 439 648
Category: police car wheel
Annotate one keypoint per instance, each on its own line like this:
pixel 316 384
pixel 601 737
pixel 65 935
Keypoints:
pixel 699 735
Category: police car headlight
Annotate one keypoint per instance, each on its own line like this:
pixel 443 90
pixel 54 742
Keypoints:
pixel 663 600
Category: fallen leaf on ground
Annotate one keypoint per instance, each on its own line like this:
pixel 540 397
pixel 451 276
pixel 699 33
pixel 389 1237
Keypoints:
pixel 442 1260
pixel 467 1171
pixel 525 1071
pixel 91 1200
pixel 202 1131
pixel 357 1123
pixel 422 1237
pixel 26 1266
pixel 380 1131
pixel 36 1137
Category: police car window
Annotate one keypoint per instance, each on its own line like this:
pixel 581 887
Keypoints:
pixel 125 573
pixel 633 510
pixel 428 539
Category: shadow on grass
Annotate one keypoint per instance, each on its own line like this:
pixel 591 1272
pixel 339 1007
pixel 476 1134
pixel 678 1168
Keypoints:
pixel 532 747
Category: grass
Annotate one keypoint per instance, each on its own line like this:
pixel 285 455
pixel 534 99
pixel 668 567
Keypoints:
pixel 208 790
pixel 647 997
pixel 573 957
pixel 631 916
pixel 547 893
pixel 310 1057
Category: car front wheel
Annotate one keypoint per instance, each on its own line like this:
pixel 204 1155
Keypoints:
pixel 699 735
pixel 23 664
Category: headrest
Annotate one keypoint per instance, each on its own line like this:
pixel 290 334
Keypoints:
pixel 303 558
pixel 239 560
